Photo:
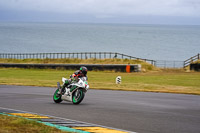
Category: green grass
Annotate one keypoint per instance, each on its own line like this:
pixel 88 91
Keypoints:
pixel 9 124
pixel 72 61
pixel 175 81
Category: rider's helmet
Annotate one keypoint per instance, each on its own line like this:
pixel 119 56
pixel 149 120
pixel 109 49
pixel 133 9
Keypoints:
pixel 83 70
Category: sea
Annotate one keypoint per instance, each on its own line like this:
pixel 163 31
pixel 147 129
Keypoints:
pixel 156 42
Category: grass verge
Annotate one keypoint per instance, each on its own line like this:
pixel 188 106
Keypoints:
pixel 9 124
pixel 169 81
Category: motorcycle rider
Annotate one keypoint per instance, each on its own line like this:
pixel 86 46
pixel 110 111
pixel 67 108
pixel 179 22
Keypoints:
pixel 82 72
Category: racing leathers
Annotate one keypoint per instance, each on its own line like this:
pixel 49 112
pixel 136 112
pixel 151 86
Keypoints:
pixel 73 78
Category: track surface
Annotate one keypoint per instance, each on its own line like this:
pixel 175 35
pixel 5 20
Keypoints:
pixel 133 111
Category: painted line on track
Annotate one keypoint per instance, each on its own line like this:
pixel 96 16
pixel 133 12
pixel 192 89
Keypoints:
pixel 62 123
pixel 31 116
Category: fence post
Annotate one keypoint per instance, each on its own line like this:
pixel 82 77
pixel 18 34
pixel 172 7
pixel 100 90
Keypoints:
pixel 115 56
pixel 198 56
pixel 191 60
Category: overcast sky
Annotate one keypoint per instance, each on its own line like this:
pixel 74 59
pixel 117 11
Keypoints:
pixel 102 11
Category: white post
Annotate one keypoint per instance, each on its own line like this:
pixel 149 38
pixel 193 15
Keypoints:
pixel 118 80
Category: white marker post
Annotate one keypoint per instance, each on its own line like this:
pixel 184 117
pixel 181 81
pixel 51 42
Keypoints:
pixel 118 80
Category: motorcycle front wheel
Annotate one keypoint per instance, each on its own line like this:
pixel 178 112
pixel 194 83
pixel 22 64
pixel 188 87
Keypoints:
pixel 57 97
pixel 78 96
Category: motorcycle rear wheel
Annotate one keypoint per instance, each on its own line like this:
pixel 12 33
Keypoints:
pixel 78 96
pixel 57 97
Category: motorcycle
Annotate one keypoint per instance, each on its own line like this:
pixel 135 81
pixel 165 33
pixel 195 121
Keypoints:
pixel 76 96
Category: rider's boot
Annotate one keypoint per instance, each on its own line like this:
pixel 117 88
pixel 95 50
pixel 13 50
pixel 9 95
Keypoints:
pixel 63 87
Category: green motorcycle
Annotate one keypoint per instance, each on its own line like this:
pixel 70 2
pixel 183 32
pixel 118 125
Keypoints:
pixel 76 95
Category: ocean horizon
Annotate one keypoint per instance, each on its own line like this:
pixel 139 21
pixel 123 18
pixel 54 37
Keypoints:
pixel 156 42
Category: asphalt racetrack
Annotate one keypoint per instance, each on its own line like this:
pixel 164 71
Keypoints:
pixel 140 112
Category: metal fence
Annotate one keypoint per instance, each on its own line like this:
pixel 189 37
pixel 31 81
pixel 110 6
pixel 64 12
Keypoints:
pixel 191 60
pixel 90 55
pixel 82 55
pixel 169 64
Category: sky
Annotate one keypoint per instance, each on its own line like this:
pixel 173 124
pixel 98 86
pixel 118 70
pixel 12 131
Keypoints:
pixel 183 12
